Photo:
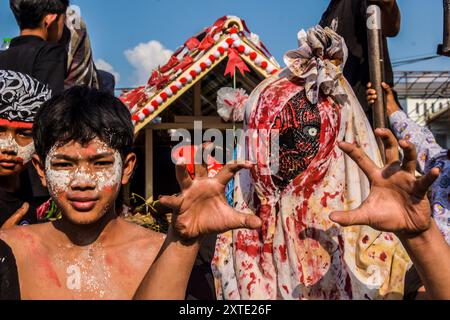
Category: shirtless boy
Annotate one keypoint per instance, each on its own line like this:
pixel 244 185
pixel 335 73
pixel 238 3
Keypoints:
pixel 83 142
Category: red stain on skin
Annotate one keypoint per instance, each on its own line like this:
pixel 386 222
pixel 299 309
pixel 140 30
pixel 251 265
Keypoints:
pixel 115 263
pixel 42 259
pixel 45 265
pixel 51 274
pixel 109 260
pixel 109 188
pixel 383 257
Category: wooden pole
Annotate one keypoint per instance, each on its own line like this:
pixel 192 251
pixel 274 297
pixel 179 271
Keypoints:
pixel 444 49
pixel 149 161
pixel 376 64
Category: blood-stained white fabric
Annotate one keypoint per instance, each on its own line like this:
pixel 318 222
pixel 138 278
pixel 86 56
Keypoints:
pixel 300 253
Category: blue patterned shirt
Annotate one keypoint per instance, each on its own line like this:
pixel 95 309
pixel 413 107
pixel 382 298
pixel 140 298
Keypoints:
pixel 431 155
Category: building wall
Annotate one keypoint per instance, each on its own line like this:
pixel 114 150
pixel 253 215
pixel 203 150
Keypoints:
pixel 421 109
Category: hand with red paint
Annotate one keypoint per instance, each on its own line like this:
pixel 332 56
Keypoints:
pixel 202 208
pixel 398 201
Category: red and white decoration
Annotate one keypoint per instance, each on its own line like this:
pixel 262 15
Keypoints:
pixel 231 43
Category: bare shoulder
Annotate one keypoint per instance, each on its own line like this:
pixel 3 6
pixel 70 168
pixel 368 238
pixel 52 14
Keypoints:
pixel 139 246
pixel 138 234
pixel 24 239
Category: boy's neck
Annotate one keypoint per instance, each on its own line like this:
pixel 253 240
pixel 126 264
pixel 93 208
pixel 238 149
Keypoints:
pixel 35 32
pixel 84 235
pixel 10 184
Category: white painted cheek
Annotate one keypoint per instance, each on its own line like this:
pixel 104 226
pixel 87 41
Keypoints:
pixel 83 177
pixel 9 144
pixel 57 180
pixel 26 153
pixel 112 177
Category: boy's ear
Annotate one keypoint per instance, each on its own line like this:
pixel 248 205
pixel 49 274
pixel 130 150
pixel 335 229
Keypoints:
pixel 49 19
pixel 128 168
pixel 40 168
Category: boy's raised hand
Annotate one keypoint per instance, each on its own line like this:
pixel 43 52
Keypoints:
pixel 202 208
pixel 398 201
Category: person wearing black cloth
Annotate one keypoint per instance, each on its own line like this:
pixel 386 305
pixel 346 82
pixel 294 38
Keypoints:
pixel 36 51
pixel 9 278
pixel 348 18
pixel 21 96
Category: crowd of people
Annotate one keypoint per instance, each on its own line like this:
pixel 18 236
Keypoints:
pixel 64 136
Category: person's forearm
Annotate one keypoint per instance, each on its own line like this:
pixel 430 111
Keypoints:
pixel 431 257
pixel 391 17
pixel 428 150
pixel 169 275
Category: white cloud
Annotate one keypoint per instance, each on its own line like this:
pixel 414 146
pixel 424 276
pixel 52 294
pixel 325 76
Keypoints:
pixel 105 66
pixel 145 57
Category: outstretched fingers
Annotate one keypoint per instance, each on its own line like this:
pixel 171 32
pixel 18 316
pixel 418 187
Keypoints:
pixel 244 221
pixel 355 217
pixel 183 177
pixel 360 157
pixel 171 202
pixel 391 145
pixel 201 167
pixel 230 170
pixel 424 184
pixel 410 156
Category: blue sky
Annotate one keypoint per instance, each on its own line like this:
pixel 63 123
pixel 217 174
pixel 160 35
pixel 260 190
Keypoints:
pixel 119 25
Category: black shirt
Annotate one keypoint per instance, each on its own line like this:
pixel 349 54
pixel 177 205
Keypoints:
pixel 201 282
pixel 45 61
pixel 11 202
pixel 352 26
pixel 9 278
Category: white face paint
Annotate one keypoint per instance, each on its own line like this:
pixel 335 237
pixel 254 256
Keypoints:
pixel 61 180
pixel 23 154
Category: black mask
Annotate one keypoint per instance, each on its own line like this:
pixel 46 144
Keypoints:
pixel 299 126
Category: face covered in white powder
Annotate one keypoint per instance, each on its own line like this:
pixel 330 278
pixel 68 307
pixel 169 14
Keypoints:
pixel 84 180
pixel 16 148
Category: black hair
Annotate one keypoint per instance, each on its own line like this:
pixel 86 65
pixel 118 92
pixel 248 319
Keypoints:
pixel 30 13
pixel 82 114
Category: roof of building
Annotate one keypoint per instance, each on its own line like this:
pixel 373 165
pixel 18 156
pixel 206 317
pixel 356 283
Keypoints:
pixel 423 84
pixel 229 37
